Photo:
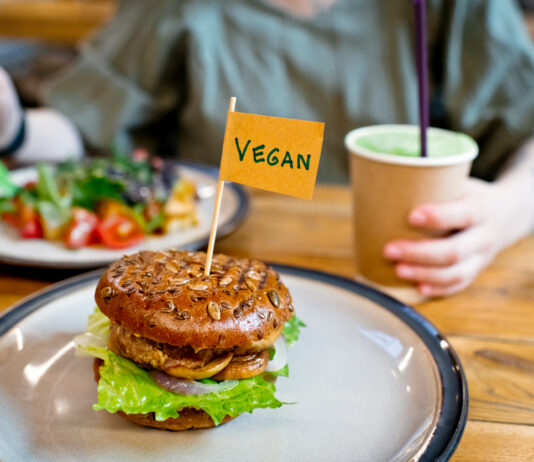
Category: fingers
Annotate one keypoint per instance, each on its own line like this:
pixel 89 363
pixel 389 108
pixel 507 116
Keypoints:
pixel 442 291
pixel 444 251
pixel 441 267
pixel 442 277
pixel 459 214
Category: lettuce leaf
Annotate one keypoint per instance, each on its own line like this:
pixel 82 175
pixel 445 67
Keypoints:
pixel 94 341
pixel 126 387
pixel 98 324
pixel 123 386
pixel 284 372
pixel 292 330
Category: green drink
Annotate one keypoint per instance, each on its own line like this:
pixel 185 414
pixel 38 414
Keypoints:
pixel 389 179
pixel 441 143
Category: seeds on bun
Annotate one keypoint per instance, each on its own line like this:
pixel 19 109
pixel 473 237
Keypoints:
pixel 165 297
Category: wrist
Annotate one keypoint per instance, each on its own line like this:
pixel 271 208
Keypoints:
pixel 516 206
pixel 17 139
pixel 50 137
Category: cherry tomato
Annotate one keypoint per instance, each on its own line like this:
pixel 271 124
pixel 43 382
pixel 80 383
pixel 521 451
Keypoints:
pixel 11 218
pixel 30 185
pixel 32 229
pixel 120 232
pixel 140 155
pixel 29 223
pixel 82 229
pixel 157 163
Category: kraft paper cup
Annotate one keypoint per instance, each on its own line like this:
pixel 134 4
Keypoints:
pixel 385 189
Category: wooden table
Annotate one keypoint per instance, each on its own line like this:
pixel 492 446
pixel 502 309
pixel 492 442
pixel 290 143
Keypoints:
pixel 55 21
pixel 69 21
pixel 491 325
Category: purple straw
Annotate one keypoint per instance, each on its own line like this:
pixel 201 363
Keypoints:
pixel 422 70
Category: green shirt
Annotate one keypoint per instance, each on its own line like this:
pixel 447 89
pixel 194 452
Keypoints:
pixel 160 74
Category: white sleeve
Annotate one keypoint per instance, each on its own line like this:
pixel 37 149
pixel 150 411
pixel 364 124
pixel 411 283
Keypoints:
pixel 49 136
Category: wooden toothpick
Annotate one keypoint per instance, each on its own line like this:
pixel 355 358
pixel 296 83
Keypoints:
pixel 216 210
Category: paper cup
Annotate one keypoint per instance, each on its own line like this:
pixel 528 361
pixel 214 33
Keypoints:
pixel 386 187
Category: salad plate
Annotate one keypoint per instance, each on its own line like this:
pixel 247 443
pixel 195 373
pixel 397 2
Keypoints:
pixel 369 379
pixel 54 254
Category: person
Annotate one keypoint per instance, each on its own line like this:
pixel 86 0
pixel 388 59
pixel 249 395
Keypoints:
pixel 160 75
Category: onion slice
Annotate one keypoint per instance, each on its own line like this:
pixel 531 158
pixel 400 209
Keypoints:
pixel 280 355
pixel 189 387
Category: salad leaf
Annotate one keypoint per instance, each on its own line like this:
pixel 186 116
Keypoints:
pixel 6 205
pixel 292 330
pixel 28 197
pixel 87 192
pixel 126 387
pixel 46 187
pixel 54 208
pixel 149 226
pixel 53 215
pixel 125 163
pixel 7 188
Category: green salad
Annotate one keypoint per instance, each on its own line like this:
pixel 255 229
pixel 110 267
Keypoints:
pixel 114 202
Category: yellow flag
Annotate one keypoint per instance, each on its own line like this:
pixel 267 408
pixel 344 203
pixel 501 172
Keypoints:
pixel 272 153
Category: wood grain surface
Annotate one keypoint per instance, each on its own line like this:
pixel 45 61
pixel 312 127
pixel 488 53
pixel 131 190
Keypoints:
pixel 491 324
pixel 58 21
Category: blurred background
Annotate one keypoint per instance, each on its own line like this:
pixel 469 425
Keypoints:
pixel 39 37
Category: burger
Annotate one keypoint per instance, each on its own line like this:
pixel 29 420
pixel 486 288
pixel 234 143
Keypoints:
pixel 176 349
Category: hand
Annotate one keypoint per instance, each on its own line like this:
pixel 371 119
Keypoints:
pixel 442 266
pixel 10 110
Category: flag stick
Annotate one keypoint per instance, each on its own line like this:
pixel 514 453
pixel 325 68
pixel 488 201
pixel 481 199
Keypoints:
pixel 216 210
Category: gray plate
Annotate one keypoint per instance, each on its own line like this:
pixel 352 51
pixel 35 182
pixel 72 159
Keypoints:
pixel 371 378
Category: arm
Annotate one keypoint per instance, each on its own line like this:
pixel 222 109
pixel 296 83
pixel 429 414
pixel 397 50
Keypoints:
pixel 490 217
pixel 127 78
pixel 487 83
pixel 49 135
pixel 517 183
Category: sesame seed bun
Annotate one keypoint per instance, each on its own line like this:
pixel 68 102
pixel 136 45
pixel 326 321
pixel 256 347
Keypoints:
pixel 189 419
pixel 165 297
